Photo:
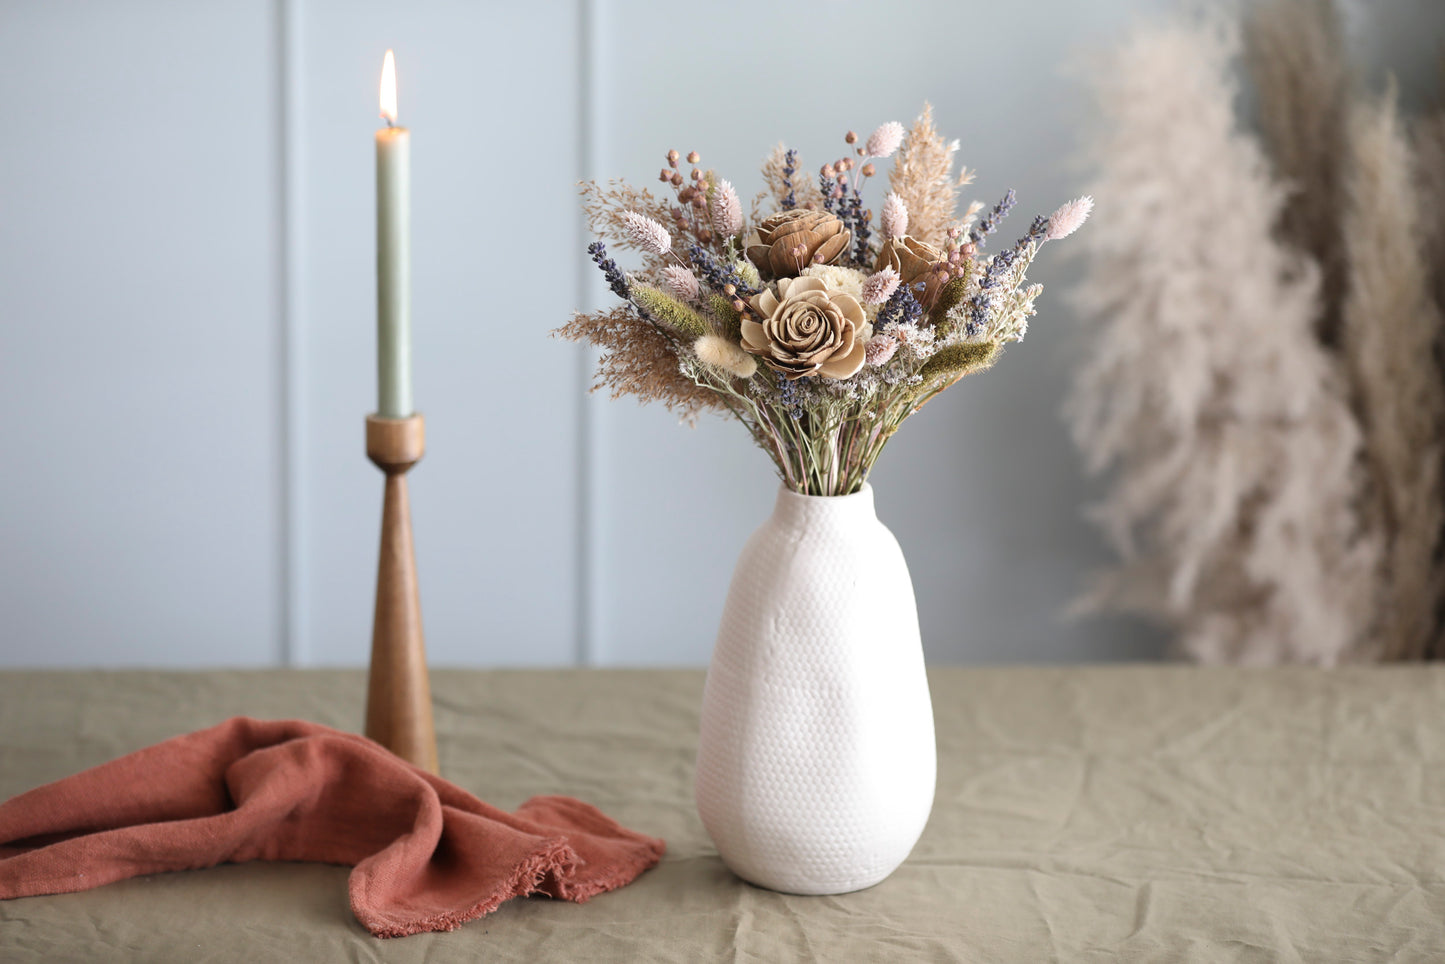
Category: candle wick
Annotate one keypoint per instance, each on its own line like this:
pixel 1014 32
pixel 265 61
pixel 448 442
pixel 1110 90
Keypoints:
pixel 388 121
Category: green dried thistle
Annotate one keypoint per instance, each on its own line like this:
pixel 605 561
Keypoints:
pixel 668 310
pixel 729 322
pixel 956 361
pixel 949 298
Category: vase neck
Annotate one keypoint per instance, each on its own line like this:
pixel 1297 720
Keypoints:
pixel 809 511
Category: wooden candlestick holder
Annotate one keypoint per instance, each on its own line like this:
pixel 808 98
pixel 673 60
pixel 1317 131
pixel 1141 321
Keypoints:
pixel 398 694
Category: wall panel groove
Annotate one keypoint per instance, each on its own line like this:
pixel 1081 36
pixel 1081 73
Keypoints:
pixel 290 549
pixel 586 639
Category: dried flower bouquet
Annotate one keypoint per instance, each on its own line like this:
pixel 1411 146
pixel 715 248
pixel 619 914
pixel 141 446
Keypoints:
pixel 816 331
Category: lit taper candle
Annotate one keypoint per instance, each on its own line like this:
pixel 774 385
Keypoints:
pixel 393 255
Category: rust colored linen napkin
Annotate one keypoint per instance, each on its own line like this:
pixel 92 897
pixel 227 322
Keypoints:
pixel 426 854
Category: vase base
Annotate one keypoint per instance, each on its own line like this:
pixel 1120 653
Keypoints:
pixel 811 887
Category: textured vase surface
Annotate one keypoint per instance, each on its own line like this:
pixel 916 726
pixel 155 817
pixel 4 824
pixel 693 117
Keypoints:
pixel 816 760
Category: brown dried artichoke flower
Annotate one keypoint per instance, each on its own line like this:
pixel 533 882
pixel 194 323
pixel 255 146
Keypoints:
pixel 915 261
pixel 807 329
pixel 789 241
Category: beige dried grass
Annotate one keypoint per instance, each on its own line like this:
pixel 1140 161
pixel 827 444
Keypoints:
pixel 636 358
pixel 607 207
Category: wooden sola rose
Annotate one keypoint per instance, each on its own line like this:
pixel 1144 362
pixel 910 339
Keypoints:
pixel 791 240
pixel 820 331
pixel 915 263
pixel 807 329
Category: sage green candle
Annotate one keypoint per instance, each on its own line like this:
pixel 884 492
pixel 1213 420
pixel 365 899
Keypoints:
pixel 393 256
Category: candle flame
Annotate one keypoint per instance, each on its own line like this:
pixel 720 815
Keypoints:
pixel 388 89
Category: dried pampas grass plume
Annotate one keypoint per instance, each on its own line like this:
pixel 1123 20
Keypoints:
pixel 1223 423
pixel 718 352
pixel 922 177
pixel 1429 144
pixel 1389 328
pixel 1295 55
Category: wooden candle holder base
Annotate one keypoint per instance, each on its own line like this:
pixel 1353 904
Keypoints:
pixel 398 695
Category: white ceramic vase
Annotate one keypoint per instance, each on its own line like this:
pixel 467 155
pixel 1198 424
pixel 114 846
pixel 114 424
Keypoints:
pixel 816 760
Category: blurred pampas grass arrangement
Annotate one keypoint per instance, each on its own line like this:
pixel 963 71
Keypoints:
pixel 1261 387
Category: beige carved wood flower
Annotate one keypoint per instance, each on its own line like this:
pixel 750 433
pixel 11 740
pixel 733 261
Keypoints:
pixel 807 329
pixel 789 241
pixel 915 262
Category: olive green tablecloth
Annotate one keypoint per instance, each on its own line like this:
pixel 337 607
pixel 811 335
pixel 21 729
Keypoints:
pixel 1130 814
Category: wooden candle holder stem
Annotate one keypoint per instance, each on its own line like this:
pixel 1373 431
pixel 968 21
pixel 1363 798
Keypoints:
pixel 398 696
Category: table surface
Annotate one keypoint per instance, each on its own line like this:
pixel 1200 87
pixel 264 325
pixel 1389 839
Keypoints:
pixel 1158 813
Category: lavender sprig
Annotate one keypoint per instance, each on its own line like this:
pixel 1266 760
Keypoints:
pixel 790 167
pixel 788 395
pixel 989 224
pixel 826 185
pixel 1037 230
pixel 615 279
pixel 902 308
pixel 861 230
pixel 998 266
pixel 719 274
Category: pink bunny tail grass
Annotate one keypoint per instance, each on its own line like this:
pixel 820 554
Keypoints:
pixel 681 283
pixel 646 233
pixel 885 140
pixel 1069 218
pixel 727 210
pixel 894 218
